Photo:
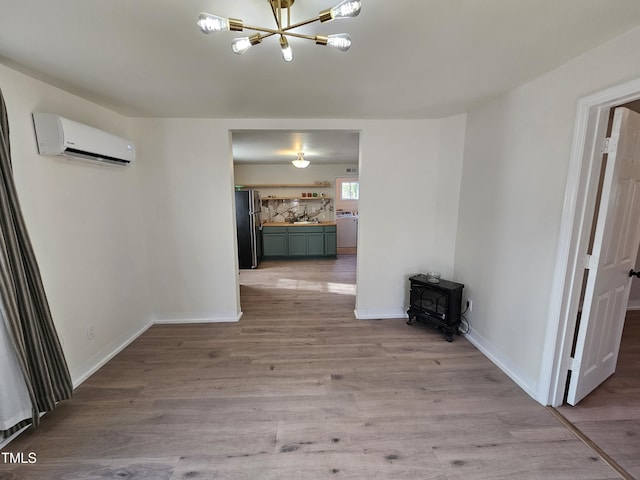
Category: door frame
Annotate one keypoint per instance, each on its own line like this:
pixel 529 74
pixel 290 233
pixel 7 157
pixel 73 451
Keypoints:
pixel 592 118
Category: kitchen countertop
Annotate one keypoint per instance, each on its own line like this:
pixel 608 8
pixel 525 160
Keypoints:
pixel 286 224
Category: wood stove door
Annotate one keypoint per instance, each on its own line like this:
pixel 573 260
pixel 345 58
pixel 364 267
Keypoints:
pixel 429 301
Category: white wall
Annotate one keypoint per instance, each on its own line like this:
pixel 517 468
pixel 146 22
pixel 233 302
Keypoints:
pixel 513 184
pixel 85 224
pixel 190 223
pixel 447 198
pixel 407 173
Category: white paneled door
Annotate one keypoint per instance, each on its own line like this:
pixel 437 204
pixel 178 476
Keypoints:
pixel 615 247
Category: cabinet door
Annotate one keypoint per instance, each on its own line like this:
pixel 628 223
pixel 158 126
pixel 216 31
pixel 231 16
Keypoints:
pixel 274 244
pixel 297 244
pixel 315 243
pixel 330 244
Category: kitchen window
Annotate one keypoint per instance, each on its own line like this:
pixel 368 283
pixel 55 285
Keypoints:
pixel 350 191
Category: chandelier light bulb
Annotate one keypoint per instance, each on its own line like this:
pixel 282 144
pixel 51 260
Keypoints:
pixel 346 9
pixel 341 41
pixel 287 53
pixel 242 44
pixel 212 23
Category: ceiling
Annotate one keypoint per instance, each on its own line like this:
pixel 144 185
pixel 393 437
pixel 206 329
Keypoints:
pixel 323 147
pixel 410 59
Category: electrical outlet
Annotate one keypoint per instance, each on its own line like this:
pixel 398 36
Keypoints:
pixel 469 304
pixel 91 332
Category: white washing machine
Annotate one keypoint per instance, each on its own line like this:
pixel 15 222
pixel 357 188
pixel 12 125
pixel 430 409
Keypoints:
pixel 347 230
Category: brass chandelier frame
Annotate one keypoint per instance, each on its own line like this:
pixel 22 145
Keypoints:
pixel 346 8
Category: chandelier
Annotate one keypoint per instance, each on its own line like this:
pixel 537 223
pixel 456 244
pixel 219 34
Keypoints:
pixel 300 162
pixel 342 41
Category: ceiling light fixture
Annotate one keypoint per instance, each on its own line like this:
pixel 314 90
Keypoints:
pixel 342 41
pixel 300 162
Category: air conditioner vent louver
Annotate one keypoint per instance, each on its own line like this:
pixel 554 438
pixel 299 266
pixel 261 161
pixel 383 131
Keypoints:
pixel 72 152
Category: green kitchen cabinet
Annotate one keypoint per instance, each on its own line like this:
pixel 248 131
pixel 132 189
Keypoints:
pixel 274 241
pixel 299 241
pixel 315 243
pixel 306 241
pixel 330 241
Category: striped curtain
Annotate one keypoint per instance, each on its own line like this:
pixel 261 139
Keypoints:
pixel 25 309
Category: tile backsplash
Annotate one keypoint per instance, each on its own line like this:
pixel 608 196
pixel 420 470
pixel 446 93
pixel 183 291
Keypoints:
pixel 297 209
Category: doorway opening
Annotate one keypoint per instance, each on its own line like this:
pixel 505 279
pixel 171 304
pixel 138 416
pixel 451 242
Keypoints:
pixel 296 207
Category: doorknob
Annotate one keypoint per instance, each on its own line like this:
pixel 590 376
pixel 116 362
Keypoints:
pixel 634 274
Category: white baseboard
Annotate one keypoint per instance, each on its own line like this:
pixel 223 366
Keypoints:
pixel 7 441
pixel 97 361
pixel 196 317
pixel 384 313
pixel 633 305
pixel 88 368
pixel 487 349
pixel 91 366
pixel 502 362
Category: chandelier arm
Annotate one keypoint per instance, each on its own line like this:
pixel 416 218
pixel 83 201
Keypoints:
pixel 271 31
pixel 281 31
pixel 299 35
pixel 300 24
pixel 276 17
pixel 267 35
pixel 277 14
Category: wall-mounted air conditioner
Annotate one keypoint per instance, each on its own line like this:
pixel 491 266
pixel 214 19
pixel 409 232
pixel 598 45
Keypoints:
pixel 57 135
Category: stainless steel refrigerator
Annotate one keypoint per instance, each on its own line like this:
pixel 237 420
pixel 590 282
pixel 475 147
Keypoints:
pixel 249 228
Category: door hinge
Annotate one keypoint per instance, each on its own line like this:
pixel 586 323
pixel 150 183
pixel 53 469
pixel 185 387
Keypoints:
pixel 609 145
pixel 574 364
pixel 588 261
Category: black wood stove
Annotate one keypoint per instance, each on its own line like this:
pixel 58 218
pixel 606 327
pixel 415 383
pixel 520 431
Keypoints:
pixel 436 304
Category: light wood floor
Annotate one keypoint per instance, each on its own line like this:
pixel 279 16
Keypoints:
pixel 610 415
pixel 300 389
